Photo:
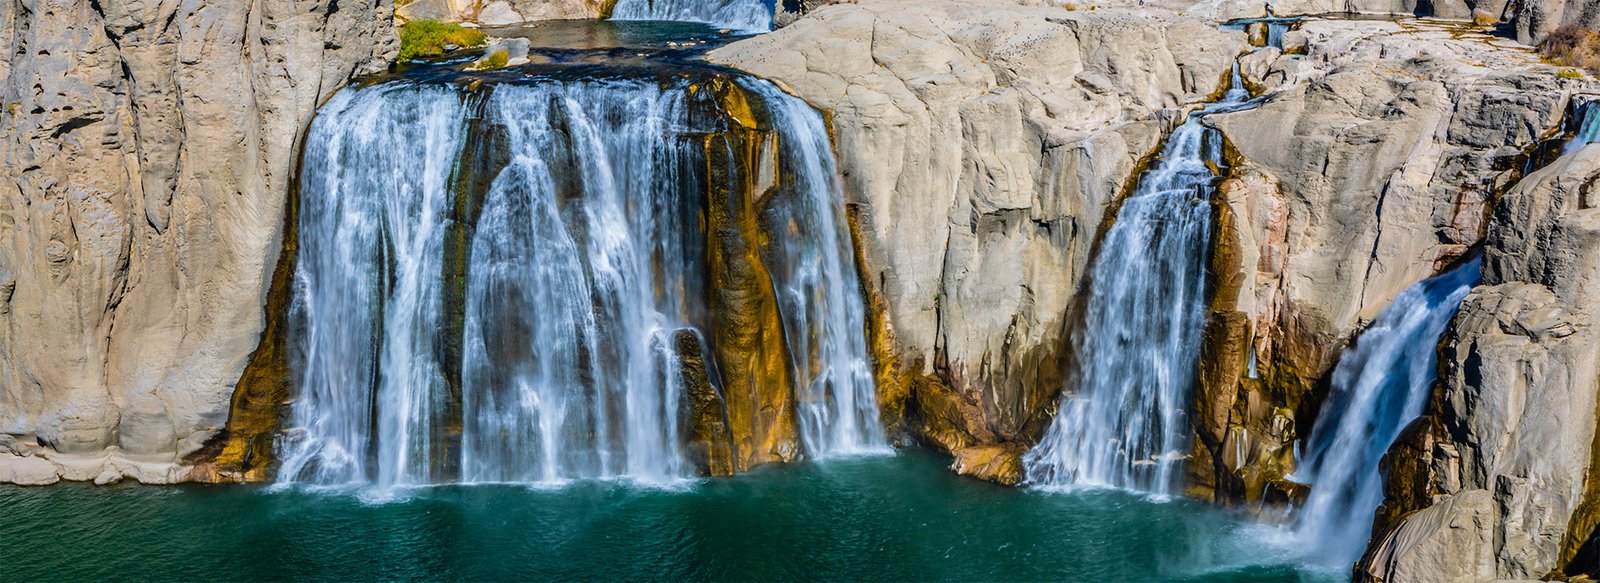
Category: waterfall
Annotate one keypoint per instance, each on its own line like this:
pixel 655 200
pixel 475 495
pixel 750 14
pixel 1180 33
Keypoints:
pixel 1125 423
pixel 1586 126
pixel 489 282
pixel 739 15
pixel 824 317
pixel 376 183
pixel 1378 387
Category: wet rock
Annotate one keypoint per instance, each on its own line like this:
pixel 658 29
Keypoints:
pixel 999 464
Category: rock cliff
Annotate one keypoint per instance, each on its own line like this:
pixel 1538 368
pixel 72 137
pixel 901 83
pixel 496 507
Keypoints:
pixel 1505 452
pixel 149 149
pixel 1370 168
pixel 981 148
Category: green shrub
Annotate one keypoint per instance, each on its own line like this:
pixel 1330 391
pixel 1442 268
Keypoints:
pixel 1569 74
pixel 495 60
pixel 428 38
pixel 1573 46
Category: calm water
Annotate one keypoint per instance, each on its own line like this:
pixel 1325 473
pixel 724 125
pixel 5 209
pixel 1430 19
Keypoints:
pixel 900 517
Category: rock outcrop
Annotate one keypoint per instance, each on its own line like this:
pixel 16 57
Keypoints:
pixel 1513 417
pixel 1370 169
pixel 981 147
pixel 149 149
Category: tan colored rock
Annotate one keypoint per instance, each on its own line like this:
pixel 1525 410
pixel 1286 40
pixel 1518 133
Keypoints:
pixel 1515 412
pixel 999 464
pixel 149 148
pixel 1452 542
pixel 981 146
pixel 1368 170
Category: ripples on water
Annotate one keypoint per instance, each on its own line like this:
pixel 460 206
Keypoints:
pixel 900 517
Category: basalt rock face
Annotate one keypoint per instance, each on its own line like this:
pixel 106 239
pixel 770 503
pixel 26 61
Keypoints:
pixel 1371 169
pixel 149 149
pixel 1513 416
pixel 981 147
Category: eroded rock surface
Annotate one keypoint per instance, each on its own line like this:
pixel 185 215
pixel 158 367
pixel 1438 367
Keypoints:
pixel 148 149
pixel 1370 169
pixel 981 146
pixel 1514 414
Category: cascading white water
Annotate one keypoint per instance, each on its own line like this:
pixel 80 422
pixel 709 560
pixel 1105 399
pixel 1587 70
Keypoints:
pixel 1378 388
pixel 586 258
pixel 1126 423
pixel 1587 128
pixel 820 295
pixel 739 15
pixel 377 193
pixel 567 370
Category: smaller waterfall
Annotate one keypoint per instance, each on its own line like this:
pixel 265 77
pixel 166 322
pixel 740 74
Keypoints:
pixel 739 15
pixel 1126 423
pixel 814 267
pixel 1585 126
pixel 1379 387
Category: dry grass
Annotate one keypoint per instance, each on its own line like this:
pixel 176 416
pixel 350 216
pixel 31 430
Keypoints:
pixel 1573 46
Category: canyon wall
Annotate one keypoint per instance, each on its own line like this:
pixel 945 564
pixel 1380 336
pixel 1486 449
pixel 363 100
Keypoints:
pixel 980 150
pixel 149 150
pixel 1497 478
pixel 1370 167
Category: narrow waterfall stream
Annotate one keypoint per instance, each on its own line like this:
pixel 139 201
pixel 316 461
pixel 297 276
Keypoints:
pixel 497 284
pixel 1586 128
pixel 1125 424
pixel 738 15
pixel 1378 387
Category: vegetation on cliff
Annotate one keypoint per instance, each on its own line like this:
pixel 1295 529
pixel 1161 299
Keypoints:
pixel 1573 46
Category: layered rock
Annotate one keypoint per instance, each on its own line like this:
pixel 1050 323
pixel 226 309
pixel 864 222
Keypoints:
pixel 1372 168
pixel 981 147
pixel 1513 417
pixel 149 148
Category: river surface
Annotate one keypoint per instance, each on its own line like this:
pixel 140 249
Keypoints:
pixel 886 517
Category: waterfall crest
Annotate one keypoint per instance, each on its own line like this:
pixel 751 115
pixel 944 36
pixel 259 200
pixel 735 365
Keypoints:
pixel 493 284
pixel 739 15
pixel 1125 423
pixel 1378 387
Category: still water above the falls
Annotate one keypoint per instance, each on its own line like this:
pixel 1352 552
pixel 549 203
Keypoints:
pixel 894 517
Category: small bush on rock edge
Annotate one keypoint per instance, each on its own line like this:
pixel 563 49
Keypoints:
pixel 428 38
pixel 1573 46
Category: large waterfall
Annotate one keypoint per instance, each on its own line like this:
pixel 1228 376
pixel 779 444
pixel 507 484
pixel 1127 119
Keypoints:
pixel 739 15
pixel 1125 424
pixel 491 284
pixel 1378 388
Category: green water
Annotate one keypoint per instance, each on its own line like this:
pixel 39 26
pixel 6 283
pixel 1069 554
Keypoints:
pixel 900 517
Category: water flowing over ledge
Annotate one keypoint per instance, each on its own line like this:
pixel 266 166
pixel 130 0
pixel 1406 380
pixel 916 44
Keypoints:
pixel 1379 387
pixel 1125 423
pixel 739 15
pixel 569 276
